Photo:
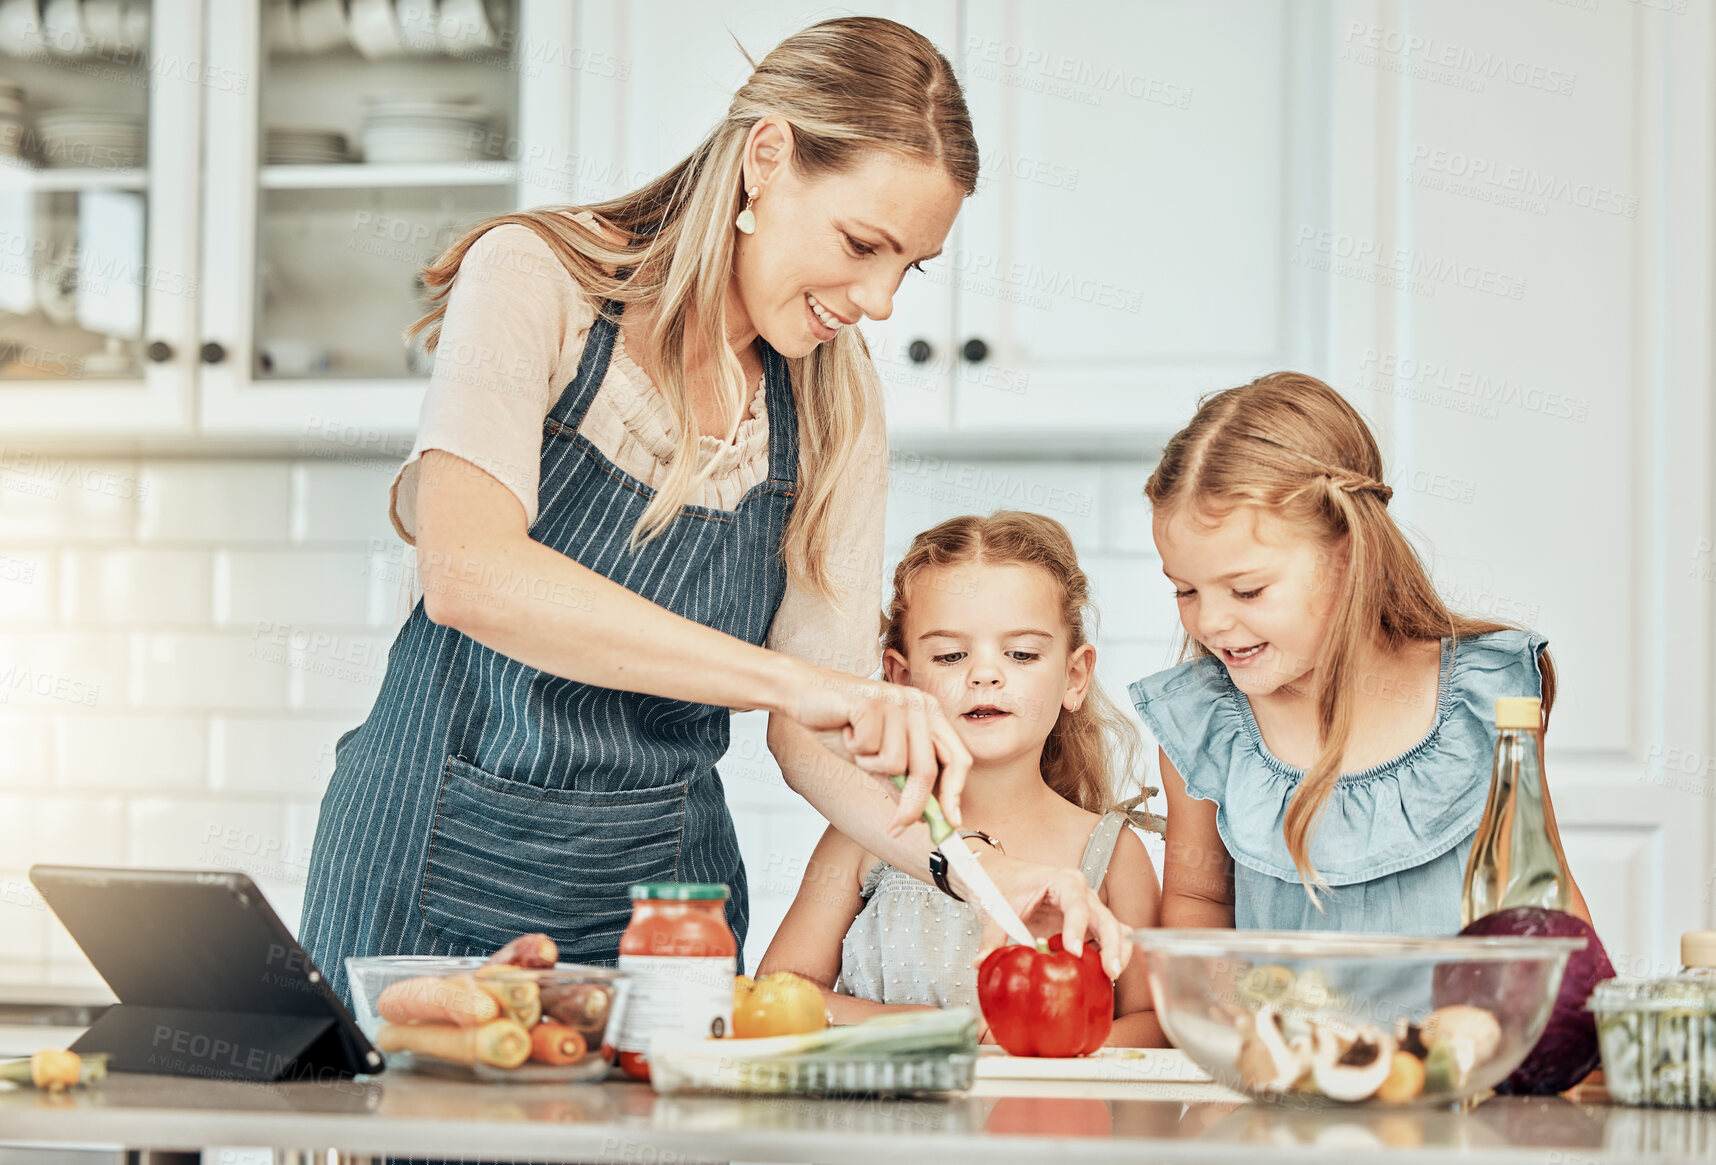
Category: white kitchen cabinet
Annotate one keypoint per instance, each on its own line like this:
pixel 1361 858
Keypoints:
pixel 98 222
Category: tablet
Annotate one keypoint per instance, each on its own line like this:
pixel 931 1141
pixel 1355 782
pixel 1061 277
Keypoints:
pixel 210 982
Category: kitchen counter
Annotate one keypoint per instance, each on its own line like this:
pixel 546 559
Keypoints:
pixel 1002 1120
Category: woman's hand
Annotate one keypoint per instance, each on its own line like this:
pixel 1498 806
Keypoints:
pixel 887 729
pixel 1049 899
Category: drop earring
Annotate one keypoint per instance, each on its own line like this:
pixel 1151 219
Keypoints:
pixel 747 220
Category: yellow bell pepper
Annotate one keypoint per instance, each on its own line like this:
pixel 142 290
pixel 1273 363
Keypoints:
pixel 781 1004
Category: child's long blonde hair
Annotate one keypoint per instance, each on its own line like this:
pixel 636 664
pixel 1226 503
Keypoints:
pixel 847 87
pixel 1293 446
pixel 1088 749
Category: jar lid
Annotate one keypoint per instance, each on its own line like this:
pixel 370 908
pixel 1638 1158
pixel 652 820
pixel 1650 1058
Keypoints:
pixel 1698 948
pixel 679 891
pixel 1518 712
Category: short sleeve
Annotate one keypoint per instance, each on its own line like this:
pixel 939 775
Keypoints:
pixel 845 636
pixel 1188 710
pixel 515 319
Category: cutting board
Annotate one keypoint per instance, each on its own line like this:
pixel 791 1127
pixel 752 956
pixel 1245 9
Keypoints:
pixel 1114 1065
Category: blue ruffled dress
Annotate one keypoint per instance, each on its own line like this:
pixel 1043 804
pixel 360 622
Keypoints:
pixel 1393 842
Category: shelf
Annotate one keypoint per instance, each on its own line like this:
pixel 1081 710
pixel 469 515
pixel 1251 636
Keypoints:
pixel 365 175
pixel 15 176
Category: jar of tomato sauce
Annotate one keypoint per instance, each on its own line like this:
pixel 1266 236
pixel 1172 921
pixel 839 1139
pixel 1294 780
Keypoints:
pixel 680 959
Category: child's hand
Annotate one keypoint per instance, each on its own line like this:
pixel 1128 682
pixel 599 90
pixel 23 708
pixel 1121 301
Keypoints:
pixel 1050 899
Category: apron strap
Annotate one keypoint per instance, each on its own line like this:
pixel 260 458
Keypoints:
pixel 575 398
pixel 783 416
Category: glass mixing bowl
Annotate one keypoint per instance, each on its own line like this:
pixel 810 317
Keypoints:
pixel 1310 1017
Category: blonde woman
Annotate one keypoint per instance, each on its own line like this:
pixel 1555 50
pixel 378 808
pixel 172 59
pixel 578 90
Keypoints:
pixel 647 487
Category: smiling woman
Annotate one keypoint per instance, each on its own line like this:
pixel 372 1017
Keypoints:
pixel 647 488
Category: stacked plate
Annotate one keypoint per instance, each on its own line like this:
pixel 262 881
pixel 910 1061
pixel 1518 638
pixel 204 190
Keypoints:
pixel 11 119
pixel 304 145
pixel 417 127
pixel 101 139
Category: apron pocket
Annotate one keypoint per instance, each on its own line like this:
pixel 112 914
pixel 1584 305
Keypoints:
pixel 506 858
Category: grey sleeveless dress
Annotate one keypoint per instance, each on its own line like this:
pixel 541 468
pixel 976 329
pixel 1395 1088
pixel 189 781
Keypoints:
pixel 913 944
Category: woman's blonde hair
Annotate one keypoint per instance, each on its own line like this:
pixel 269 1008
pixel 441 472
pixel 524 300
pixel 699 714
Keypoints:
pixel 1292 446
pixel 846 87
pixel 1090 753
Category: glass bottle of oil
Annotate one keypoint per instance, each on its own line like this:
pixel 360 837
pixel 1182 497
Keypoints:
pixel 1516 856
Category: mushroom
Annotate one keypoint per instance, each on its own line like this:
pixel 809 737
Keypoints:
pixel 1266 1063
pixel 1459 1037
pixel 1351 1067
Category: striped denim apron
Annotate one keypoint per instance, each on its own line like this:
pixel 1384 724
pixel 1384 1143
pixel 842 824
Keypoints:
pixel 482 799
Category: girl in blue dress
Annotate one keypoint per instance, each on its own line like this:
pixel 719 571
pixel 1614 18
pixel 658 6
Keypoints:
pixel 1326 745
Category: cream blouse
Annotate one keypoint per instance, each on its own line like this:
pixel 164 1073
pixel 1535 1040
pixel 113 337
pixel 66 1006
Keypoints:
pixel 510 342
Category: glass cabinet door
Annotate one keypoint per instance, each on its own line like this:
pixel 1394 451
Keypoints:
pixel 377 133
pixel 98 188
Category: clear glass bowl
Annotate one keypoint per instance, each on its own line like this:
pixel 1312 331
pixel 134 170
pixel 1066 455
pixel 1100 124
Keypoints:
pixel 1305 1017
pixel 584 998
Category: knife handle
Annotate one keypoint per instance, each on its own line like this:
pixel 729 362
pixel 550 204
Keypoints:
pixel 939 829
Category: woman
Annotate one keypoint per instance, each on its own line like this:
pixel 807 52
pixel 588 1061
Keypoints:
pixel 652 444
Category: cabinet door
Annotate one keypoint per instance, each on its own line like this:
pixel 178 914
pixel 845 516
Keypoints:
pixel 98 205
pixel 373 136
pixel 1144 163
pixel 644 101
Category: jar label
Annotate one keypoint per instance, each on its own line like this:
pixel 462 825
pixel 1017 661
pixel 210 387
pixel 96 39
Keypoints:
pixel 685 996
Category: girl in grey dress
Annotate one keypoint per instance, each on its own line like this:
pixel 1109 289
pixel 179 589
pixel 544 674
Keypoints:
pixel 989 615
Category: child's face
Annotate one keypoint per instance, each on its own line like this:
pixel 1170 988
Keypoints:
pixel 990 643
pixel 1254 590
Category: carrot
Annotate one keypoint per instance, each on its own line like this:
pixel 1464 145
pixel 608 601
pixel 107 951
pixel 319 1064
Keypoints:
pixel 529 950
pixel 427 999
pixel 520 999
pixel 583 1006
pixel 500 1043
pixel 555 1043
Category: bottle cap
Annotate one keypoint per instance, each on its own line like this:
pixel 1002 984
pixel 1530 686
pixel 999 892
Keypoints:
pixel 1698 948
pixel 678 891
pixel 1519 712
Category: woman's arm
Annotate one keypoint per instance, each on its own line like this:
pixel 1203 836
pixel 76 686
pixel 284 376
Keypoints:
pixel 1048 899
pixel 1136 901
pixel 484 576
pixel 812 935
pixel 1197 872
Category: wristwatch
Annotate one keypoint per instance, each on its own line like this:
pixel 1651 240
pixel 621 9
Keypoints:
pixel 938 861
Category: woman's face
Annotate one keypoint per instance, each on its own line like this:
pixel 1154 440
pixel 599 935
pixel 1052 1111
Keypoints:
pixel 989 641
pixel 832 250
pixel 1254 590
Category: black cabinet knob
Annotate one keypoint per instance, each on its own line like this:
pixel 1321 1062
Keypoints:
pixel 919 351
pixel 213 352
pixel 159 351
pixel 976 351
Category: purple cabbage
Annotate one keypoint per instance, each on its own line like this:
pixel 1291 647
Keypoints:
pixel 1567 1051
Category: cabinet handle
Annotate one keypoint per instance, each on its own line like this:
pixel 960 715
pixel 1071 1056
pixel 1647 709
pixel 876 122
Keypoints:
pixel 975 350
pixel 213 352
pixel 919 351
pixel 159 351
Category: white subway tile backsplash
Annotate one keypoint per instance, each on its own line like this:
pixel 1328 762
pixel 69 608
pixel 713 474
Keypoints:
pixel 23 921
pixel 211 833
pixel 293 755
pixel 138 588
pixel 24 756
pixel 293 588
pixel 337 670
pixel 215 501
pixel 142 752
pixel 80 831
pixel 1126 515
pixel 64 670
pixel 29 590
pixel 211 671
pixel 54 498
pixel 1132 598
pixel 341 501
pixel 924 490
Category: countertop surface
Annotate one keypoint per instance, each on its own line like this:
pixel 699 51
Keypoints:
pixel 1001 1120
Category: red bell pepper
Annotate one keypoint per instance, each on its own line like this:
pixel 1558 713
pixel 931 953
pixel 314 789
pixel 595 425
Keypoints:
pixel 1045 1002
